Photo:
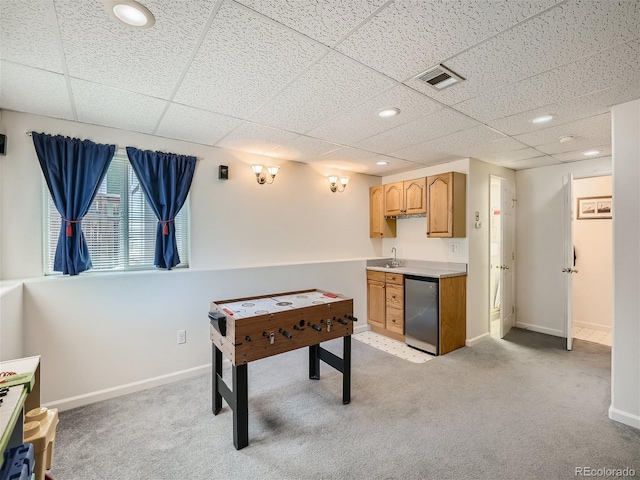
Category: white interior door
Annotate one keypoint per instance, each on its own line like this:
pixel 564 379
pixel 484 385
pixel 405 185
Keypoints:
pixel 568 269
pixel 508 260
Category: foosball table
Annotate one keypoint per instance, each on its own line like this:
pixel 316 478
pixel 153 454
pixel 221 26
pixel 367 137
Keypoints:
pixel 248 329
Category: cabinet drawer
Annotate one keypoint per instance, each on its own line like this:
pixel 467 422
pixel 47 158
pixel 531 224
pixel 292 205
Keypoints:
pixel 395 296
pixel 377 276
pixel 395 278
pixel 395 320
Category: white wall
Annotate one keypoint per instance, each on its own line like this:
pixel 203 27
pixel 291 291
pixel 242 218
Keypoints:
pixel 625 374
pixel 592 291
pixel 100 331
pixel 540 283
pixel 11 327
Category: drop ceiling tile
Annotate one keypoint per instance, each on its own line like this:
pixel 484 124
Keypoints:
pixel 30 90
pixel 194 125
pixel 148 61
pixel 243 61
pixel 338 17
pixel 512 156
pixel 430 31
pixel 586 132
pixel 425 128
pixel 111 107
pixel 363 121
pixel 614 66
pixel 543 161
pixel 303 148
pixel 27 35
pixel 577 155
pixel 556 37
pixel 502 145
pixel 569 110
pixel 348 153
pixel 319 94
pixel 449 144
pixel 255 138
pixel 340 166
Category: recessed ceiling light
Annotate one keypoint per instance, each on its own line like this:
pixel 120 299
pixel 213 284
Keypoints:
pixel 382 162
pixel 567 138
pixel 388 112
pixel 130 13
pixel 543 119
pixel 591 153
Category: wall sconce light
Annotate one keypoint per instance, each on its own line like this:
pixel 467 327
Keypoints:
pixel 261 177
pixel 333 180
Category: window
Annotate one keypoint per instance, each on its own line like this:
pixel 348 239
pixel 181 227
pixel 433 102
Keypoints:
pixel 120 227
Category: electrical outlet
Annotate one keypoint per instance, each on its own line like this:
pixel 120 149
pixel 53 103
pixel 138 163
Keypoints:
pixel 455 247
pixel 182 336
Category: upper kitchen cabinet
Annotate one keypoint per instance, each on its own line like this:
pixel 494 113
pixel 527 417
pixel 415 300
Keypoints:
pixel 379 226
pixel 405 198
pixel 446 205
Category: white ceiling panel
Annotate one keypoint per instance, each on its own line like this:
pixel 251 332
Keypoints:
pixel 420 130
pixel 353 154
pixel 319 94
pixel 363 121
pixel 554 38
pixel 456 141
pixel 194 125
pixel 544 161
pixel 587 132
pixel 30 90
pixel 148 61
pixel 244 60
pixel 27 34
pixel 618 65
pixel 303 148
pixel 111 107
pixel 502 145
pixel 255 138
pixel 577 155
pixel 512 156
pixel 567 111
pixel 407 37
pixel 369 166
pixel 339 17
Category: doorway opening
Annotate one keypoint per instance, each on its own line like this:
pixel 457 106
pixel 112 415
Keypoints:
pixel 495 255
pixel 592 284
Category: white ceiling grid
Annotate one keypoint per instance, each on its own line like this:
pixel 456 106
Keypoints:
pixel 304 81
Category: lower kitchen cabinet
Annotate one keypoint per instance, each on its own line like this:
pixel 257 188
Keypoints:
pixel 385 303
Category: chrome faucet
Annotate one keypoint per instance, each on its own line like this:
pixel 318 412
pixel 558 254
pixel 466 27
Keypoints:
pixel 394 262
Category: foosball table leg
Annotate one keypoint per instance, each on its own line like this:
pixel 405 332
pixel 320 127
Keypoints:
pixel 314 362
pixel 215 378
pixel 241 407
pixel 346 373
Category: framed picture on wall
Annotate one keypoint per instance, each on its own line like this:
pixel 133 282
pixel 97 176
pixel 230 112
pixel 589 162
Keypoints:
pixel 594 207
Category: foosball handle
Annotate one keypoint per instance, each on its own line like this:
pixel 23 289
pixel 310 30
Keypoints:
pixel 340 321
pixel 351 317
pixel 285 333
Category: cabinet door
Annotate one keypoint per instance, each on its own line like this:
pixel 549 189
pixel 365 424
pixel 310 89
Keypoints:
pixel 394 198
pixel 376 309
pixel 395 320
pixel 395 296
pixel 415 196
pixel 378 225
pixel 440 205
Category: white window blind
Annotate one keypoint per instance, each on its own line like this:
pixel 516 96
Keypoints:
pixel 120 227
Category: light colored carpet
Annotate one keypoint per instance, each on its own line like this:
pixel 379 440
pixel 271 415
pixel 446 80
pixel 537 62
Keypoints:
pixel 519 408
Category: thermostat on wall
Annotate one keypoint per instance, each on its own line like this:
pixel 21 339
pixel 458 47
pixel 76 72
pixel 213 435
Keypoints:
pixel 223 172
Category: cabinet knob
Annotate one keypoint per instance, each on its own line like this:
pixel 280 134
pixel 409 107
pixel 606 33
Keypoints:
pixel 393 320
pixel 393 296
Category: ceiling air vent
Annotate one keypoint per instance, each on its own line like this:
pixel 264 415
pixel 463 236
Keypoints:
pixel 440 77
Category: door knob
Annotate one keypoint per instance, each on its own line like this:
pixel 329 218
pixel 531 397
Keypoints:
pixel 573 270
pixel 565 270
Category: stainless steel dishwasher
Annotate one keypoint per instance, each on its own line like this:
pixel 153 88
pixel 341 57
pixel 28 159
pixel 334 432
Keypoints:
pixel 421 313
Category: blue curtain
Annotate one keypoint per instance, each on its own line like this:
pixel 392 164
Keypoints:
pixel 73 169
pixel 165 179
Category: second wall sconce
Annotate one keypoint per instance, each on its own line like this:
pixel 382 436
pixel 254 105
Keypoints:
pixel 333 180
pixel 261 177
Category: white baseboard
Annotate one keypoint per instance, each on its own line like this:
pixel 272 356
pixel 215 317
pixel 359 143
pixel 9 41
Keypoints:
pixel 592 326
pixel 361 328
pixel 535 328
pixel 624 417
pixel 86 399
pixel 474 341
